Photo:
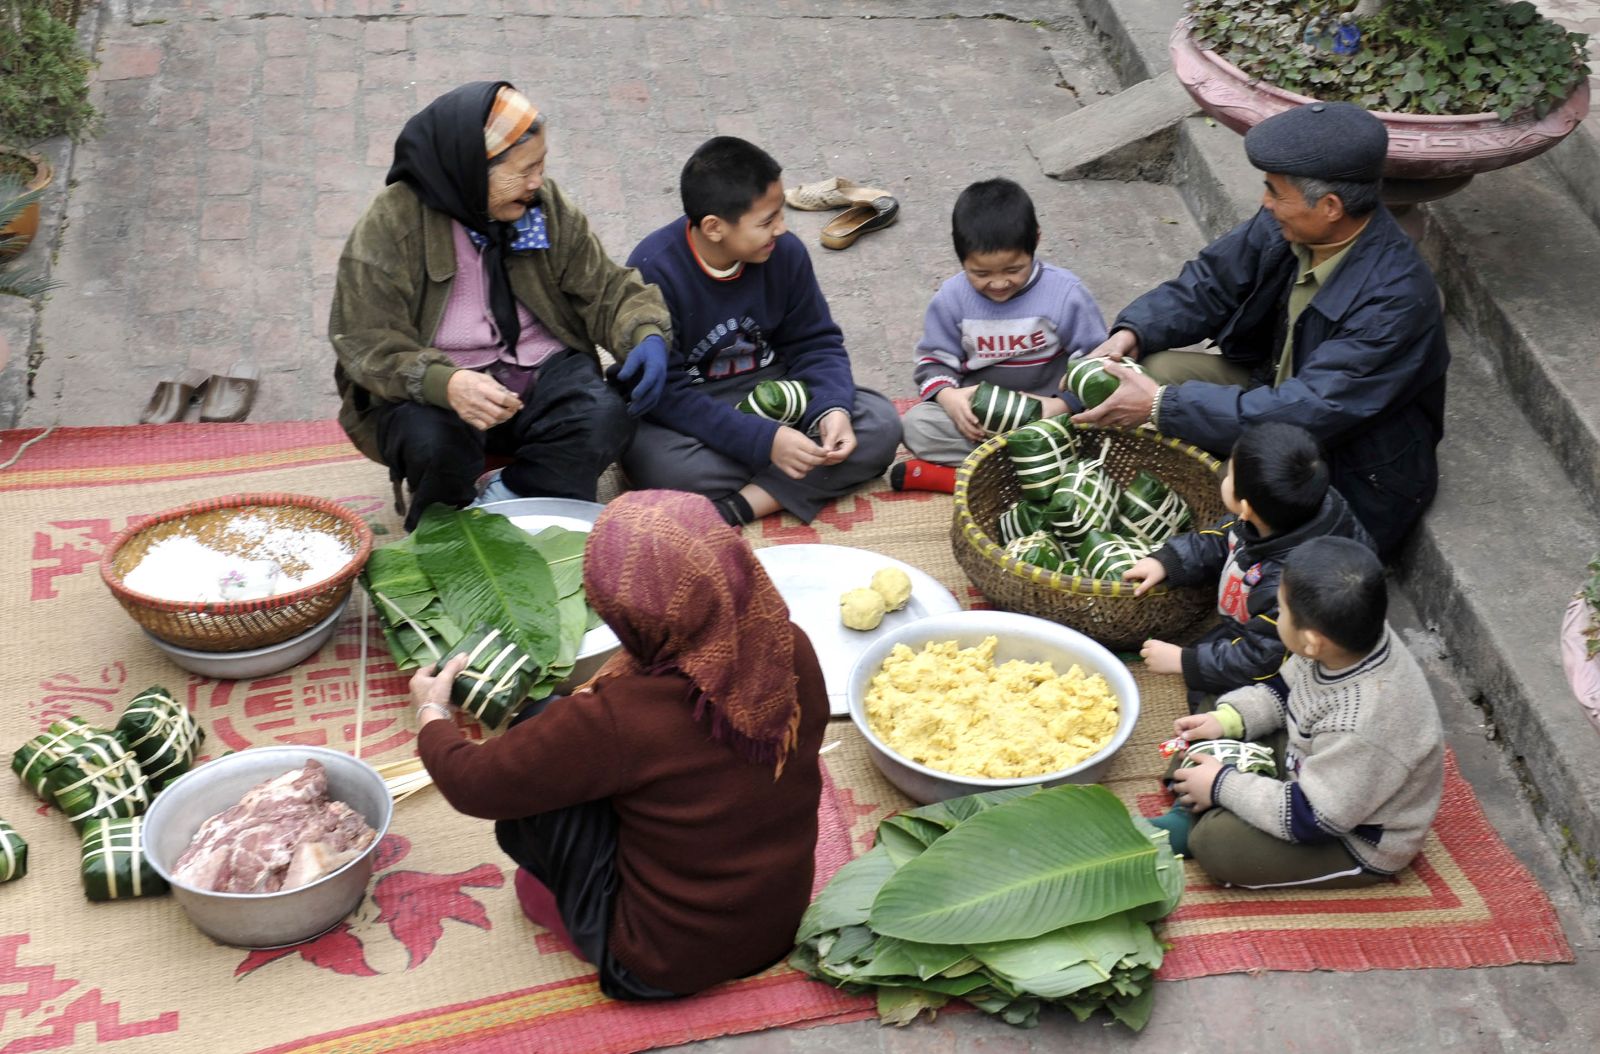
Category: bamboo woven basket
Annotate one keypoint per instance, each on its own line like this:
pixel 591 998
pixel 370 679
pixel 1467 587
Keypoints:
pixel 236 625
pixel 1104 609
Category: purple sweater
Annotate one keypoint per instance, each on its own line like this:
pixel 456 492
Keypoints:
pixel 1022 344
pixel 722 328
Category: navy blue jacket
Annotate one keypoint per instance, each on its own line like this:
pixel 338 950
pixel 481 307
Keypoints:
pixel 1369 360
pixel 1244 646
pixel 723 328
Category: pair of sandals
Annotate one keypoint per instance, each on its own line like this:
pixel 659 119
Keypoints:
pixel 867 209
pixel 223 396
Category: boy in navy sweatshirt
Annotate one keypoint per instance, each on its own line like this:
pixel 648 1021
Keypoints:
pixel 1008 318
pixel 1278 497
pixel 746 308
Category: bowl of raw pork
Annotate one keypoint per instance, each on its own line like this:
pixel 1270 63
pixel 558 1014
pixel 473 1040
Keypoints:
pixel 237 573
pixel 270 846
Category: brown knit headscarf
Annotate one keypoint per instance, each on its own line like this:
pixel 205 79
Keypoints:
pixel 683 591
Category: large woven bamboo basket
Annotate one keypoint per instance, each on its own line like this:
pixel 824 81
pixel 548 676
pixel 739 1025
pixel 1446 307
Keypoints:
pixel 1106 610
pixel 236 625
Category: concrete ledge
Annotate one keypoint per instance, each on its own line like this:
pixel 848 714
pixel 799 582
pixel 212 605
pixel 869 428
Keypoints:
pixel 1576 162
pixel 1128 136
pixel 1514 255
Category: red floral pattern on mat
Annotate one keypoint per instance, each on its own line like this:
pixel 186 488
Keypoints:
pixel 40 1011
pixel 413 905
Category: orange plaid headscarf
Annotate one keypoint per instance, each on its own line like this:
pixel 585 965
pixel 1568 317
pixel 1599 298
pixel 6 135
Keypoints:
pixel 684 592
pixel 510 115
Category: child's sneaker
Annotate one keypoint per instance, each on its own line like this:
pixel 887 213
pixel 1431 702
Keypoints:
pixel 917 474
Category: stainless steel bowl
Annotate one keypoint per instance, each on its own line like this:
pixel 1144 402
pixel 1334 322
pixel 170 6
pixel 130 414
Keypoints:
pixel 1018 637
pixel 257 662
pixel 264 920
pixel 534 515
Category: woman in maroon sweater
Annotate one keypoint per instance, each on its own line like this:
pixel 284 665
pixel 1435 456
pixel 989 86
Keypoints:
pixel 670 808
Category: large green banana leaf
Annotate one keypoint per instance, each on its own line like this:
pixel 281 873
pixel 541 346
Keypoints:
pixel 487 574
pixel 1052 859
pixel 848 895
pixel 563 551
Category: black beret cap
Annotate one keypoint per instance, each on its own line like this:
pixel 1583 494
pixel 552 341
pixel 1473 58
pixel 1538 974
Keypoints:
pixel 1321 140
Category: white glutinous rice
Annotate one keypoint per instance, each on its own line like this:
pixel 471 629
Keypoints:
pixel 262 559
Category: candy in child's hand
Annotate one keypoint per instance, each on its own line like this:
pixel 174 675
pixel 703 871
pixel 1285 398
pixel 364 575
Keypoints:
pixel 1173 746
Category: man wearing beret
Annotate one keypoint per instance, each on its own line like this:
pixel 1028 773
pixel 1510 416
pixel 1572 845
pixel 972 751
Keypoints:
pixel 1324 314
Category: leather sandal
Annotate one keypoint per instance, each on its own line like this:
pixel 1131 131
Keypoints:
pixel 833 193
pixel 842 231
pixel 172 397
pixel 229 396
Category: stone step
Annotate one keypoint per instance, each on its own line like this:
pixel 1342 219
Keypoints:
pixel 1517 256
pixel 1576 162
pixel 1491 569
pixel 1128 136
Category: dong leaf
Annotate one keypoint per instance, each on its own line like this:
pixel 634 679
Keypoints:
pixel 848 895
pixel 487 574
pixel 1062 856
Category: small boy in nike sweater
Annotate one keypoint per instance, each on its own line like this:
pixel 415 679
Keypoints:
pixel 1355 734
pixel 1008 318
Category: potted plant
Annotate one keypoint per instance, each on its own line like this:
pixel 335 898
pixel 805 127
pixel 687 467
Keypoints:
pixel 21 172
pixel 1464 86
pixel 16 279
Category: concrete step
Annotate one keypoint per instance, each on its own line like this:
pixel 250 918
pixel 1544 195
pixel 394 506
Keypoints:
pixel 1491 569
pixel 1517 258
pixel 1128 136
pixel 1576 162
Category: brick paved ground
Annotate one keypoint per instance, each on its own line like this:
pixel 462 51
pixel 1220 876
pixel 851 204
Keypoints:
pixel 243 139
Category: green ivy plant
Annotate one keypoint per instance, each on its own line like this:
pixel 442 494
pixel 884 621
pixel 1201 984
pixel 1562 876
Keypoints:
pixel 1591 594
pixel 1414 56
pixel 44 76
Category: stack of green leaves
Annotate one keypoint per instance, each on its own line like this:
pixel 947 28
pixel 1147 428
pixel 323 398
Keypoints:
pixel 1011 900
pixel 467 570
pixel 1003 409
pixel 782 401
pixel 162 734
pixel 13 853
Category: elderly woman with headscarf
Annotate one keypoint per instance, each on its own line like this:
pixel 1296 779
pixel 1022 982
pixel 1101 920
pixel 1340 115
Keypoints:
pixel 664 818
pixel 469 301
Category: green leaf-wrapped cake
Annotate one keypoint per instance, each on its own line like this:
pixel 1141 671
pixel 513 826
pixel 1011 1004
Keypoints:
pixel 1020 518
pixel 114 866
pixel 34 758
pixel 162 734
pixel 1106 556
pixel 1040 550
pixel 1084 501
pixel 1089 381
pixel 1040 454
pixel 782 401
pixel 13 853
pixel 1151 509
pixel 1242 755
pixel 1002 409
pixel 498 676
pixel 98 778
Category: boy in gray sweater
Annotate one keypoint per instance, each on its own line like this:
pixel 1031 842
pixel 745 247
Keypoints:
pixel 1355 734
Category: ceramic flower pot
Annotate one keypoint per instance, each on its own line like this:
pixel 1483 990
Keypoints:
pixel 26 225
pixel 1429 156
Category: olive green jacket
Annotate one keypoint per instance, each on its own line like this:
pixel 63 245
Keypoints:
pixel 394 279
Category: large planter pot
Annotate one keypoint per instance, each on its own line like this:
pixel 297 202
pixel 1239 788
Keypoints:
pixel 26 225
pixel 1447 149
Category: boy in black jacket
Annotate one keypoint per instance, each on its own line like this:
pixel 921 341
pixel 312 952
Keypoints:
pixel 1277 494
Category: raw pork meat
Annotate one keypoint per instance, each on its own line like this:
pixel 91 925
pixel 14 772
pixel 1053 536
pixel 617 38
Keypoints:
pixel 282 835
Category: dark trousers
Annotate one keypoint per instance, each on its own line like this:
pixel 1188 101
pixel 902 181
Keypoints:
pixel 573 851
pixel 571 426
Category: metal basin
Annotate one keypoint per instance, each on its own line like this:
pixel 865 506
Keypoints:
pixel 257 662
pixel 264 920
pixel 1018 637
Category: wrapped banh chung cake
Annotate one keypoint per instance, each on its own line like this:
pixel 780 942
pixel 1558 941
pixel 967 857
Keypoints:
pixel 1151 509
pixel 34 758
pixel 1001 409
pixel 13 853
pixel 162 734
pixel 114 866
pixel 782 401
pixel 497 679
pixel 1040 455
pixel 284 833
pixel 98 778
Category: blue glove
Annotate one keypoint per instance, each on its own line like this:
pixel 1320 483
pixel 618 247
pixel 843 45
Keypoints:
pixel 644 374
